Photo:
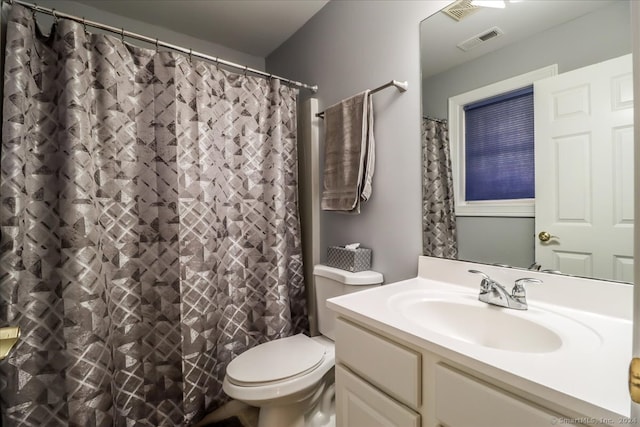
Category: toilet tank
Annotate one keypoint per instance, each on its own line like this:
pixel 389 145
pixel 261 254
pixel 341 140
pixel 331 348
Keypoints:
pixel 331 282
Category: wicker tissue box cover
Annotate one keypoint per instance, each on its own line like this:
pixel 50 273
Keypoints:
pixel 353 260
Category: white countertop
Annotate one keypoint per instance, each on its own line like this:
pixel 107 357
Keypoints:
pixel 586 378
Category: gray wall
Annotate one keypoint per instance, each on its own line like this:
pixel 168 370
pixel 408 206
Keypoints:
pixel 347 47
pixel 81 9
pixel 601 35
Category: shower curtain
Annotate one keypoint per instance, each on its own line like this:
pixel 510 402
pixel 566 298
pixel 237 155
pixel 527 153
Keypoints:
pixel 149 227
pixel 438 216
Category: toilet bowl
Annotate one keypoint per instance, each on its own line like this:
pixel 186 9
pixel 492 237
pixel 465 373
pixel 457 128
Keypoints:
pixel 291 379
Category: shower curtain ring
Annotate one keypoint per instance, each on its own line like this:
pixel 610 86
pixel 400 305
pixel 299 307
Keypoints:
pixel 122 34
pixel 190 55
pixel 84 24
pixel 245 70
pixel 55 16
pixel 156 45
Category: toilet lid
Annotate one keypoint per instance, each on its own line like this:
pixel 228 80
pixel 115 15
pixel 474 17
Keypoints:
pixel 276 360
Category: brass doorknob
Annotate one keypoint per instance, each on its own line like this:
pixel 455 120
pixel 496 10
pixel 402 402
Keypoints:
pixel 634 380
pixel 545 236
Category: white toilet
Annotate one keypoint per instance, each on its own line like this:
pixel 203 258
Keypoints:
pixel 291 379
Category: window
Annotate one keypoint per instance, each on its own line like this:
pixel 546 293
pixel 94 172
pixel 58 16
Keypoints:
pixel 492 142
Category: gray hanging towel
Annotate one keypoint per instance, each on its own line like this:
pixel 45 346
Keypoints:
pixel 349 154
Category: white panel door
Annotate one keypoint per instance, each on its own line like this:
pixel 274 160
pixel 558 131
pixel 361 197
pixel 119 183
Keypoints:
pixel 584 170
pixel 359 404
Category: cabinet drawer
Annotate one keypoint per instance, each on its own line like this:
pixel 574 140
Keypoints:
pixel 358 404
pixel 390 367
pixel 463 401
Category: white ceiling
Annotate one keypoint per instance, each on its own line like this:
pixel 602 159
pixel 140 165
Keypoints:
pixel 255 27
pixel 439 34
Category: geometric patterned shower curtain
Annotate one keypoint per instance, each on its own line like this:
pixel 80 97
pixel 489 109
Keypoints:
pixel 439 236
pixel 149 227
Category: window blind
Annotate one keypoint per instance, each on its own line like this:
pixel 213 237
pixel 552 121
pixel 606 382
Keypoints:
pixel 499 147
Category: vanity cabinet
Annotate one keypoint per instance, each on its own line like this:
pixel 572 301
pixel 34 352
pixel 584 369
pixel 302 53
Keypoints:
pixel 381 381
pixel 377 380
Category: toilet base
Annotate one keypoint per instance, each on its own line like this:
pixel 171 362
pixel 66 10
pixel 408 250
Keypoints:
pixel 290 416
pixel 246 414
pixel 317 410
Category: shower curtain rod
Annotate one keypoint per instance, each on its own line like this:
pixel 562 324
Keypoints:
pixel 124 33
pixel 401 86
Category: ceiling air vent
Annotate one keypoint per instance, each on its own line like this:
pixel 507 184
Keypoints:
pixel 478 39
pixel 460 9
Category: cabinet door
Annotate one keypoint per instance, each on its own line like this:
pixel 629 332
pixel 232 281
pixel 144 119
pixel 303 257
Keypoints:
pixel 385 364
pixel 463 401
pixel 358 404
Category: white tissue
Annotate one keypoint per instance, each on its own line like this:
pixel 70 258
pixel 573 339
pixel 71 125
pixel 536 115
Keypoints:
pixel 352 246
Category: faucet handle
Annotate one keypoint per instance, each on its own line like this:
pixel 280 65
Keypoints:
pixel 485 285
pixel 480 273
pixel 518 291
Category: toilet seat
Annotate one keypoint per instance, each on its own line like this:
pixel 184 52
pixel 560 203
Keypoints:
pixel 276 361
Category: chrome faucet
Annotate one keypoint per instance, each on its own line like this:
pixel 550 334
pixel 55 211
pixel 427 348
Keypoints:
pixel 494 293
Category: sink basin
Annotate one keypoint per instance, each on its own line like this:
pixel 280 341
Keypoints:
pixel 464 318
pixel 486 325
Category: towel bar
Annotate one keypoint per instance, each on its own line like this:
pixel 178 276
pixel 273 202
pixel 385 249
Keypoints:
pixel 401 86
